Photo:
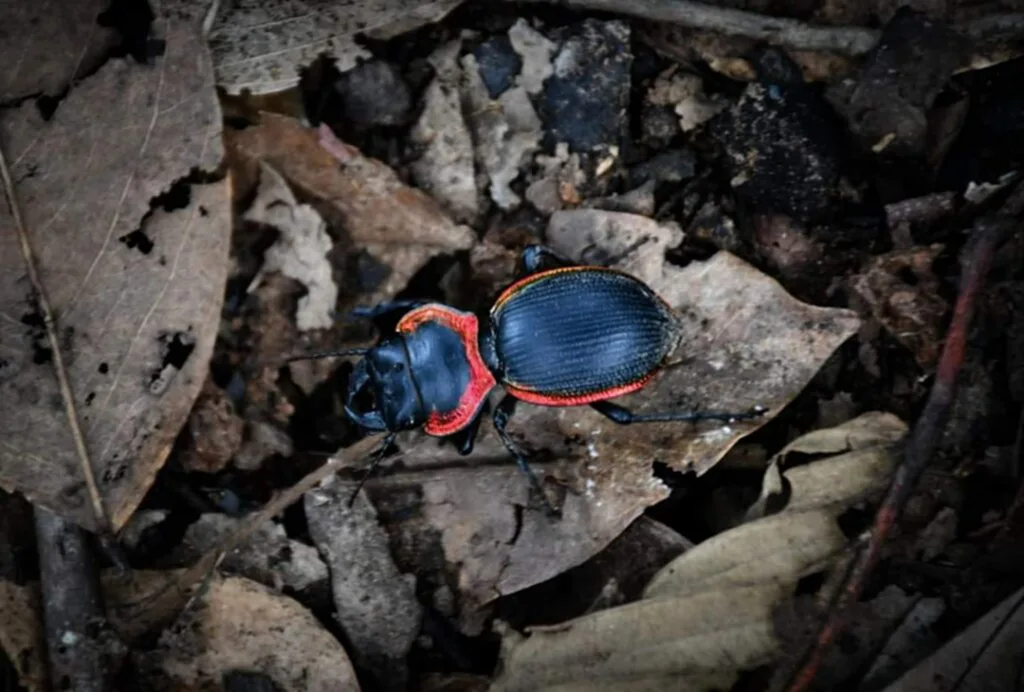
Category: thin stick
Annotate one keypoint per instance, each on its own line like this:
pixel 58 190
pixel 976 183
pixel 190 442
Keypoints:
pixel 789 33
pixel 924 438
pixel 168 602
pixel 102 521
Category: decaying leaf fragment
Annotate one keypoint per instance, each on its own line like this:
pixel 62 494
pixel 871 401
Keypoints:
pixel 708 614
pixel 300 251
pixel 747 343
pixel 262 46
pixel 399 226
pixel 136 291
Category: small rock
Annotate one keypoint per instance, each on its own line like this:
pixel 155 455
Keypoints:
pixel 215 431
pixel 712 225
pixel 658 125
pixel 672 166
pixel 684 93
pixel 269 557
pixel 585 99
pixel 781 149
pixel 374 94
pixel 887 105
pixel 637 201
pixel 498 63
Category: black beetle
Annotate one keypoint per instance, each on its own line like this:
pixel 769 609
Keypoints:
pixel 562 335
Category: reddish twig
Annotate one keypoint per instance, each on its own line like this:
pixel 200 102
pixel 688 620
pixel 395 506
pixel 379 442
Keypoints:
pixel 988 236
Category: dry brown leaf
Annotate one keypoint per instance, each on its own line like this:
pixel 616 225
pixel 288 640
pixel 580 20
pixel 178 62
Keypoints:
pixel 705 616
pixel 401 227
pixel 262 46
pixel 21 635
pixel 237 624
pixel 136 293
pixel 748 343
pixel 44 46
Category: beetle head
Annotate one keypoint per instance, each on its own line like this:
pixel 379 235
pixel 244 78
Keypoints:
pixel 384 379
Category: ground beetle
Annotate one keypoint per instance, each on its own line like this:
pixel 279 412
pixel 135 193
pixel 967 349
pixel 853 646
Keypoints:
pixel 561 335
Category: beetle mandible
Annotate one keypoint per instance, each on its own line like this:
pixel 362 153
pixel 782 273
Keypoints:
pixel 563 334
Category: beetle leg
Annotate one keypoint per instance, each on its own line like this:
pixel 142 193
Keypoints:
pixel 623 416
pixel 374 311
pixel 375 459
pixel 466 438
pixel 537 258
pixel 502 413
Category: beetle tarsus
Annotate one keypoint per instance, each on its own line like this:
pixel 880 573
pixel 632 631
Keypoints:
pixel 375 460
pixel 623 416
pixel 501 416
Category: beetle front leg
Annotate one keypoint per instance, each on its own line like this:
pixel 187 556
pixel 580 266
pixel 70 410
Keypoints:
pixel 375 460
pixel 502 413
pixel 623 416
pixel 466 438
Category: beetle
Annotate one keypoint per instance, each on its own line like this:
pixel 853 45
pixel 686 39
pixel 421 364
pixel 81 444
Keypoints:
pixel 562 334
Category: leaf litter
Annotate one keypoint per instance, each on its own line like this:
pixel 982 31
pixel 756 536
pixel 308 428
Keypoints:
pixel 137 289
pixel 331 228
pixel 708 614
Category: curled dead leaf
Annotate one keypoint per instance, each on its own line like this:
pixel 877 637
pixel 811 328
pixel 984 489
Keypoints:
pixel 709 614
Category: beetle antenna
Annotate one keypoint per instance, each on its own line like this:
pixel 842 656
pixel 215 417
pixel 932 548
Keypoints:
pixel 328 354
pixel 375 460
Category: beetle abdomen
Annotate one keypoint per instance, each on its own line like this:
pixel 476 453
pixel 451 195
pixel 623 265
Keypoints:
pixel 580 334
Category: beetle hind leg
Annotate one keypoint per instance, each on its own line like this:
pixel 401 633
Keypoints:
pixel 502 413
pixel 623 416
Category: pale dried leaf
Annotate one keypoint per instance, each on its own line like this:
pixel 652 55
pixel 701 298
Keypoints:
pixel 446 168
pixel 986 655
pixel 401 227
pixel 237 624
pixel 45 45
pixel 85 179
pixel 261 46
pixel 21 634
pixel 863 432
pixel 704 618
pixel 300 251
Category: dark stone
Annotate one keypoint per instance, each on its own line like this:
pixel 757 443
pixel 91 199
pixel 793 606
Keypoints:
pixel 373 94
pixel 901 77
pixel 498 64
pixel 672 166
pixel 659 125
pixel 584 101
pixel 782 148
